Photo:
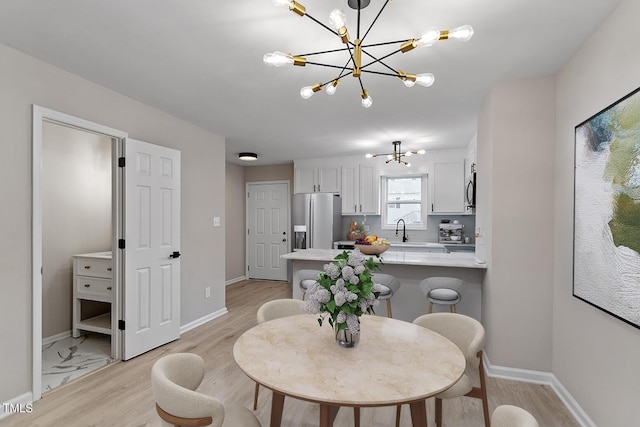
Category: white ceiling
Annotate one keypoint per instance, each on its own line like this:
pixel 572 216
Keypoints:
pixel 202 61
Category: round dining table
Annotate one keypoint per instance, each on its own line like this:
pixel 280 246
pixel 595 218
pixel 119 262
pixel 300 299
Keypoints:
pixel 395 362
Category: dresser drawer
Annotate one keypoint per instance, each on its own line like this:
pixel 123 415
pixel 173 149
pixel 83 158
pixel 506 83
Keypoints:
pixel 94 267
pixel 94 289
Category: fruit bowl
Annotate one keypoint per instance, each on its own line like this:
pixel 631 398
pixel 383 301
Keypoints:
pixel 372 249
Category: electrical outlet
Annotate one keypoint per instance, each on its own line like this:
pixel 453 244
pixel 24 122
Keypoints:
pixel 207 292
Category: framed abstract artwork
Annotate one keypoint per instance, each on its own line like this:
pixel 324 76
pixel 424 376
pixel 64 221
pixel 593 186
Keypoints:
pixel 606 245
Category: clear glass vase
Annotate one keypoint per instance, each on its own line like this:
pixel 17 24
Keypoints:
pixel 346 339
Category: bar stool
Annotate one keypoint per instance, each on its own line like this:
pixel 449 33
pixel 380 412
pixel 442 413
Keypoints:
pixel 307 278
pixel 443 290
pixel 390 286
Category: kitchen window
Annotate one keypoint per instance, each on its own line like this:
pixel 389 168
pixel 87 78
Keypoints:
pixel 404 197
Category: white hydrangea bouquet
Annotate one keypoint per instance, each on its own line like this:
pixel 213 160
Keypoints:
pixel 344 292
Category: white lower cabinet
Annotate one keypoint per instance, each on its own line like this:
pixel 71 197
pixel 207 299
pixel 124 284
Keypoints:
pixel 92 281
pixel 360 189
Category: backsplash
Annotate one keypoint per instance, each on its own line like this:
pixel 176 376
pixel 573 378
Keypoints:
pixel 428 235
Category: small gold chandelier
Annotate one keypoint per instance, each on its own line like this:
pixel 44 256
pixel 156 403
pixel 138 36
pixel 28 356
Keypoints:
pixel 397 154
pixel 356 49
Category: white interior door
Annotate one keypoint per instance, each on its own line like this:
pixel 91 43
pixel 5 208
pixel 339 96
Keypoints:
pixel 268 230
pixel 152 245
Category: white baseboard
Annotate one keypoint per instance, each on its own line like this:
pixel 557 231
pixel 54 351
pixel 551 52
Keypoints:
pixel 539 377
pixel 17 405
pixel 203 320
pixel 57 337
pixel 236 280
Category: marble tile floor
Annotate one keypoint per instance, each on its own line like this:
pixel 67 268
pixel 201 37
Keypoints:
pixel 70 358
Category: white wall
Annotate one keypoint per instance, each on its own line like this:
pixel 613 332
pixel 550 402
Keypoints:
pixel 515 162
pixel 25 81
pixel 235 234
pixel 595 355
pixel 76 207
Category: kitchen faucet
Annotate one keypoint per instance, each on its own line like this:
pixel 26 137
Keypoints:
pixel 404 230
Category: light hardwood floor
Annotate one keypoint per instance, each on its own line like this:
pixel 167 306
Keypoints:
pixel 120 394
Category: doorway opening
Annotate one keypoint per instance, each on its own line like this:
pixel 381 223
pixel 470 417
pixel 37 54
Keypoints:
pixel 76 212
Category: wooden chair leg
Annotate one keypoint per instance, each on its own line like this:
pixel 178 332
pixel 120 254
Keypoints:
pixel 483 386
pixel 438 412
pixel 255 397
pixel 398 408
pixel 430 307
pixel 356 416
pixel 389 308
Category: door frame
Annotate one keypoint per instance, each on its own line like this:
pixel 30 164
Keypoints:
pixel 39 116
pixel 246 220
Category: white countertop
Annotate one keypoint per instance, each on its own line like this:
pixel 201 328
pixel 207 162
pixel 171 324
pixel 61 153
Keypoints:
pixel 101 255
pixel 456 259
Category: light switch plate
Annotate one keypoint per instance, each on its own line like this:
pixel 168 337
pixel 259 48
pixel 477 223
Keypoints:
pixel 216 221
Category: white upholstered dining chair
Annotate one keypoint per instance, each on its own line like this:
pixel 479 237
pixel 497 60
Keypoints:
pixel 512 416
pixel 468 334
pixel 174 379
pixel 276 309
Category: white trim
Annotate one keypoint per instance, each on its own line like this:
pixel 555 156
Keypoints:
pixel 544 378
pixel 236 280
pixel 56 337
pixel 39 115
pixel 202 320
pixel 22 400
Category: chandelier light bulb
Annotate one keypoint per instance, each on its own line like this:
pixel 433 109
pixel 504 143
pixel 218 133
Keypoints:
pixel 338 19
pixel 463 33
pixel 283 3
pixel 408 165
pixel 422 151
pixel 409 153
pixel 367 101
pixel 425 79
pixel 389 157
pixel 368 155
pixel 331 88
pixel 428 38
pixel 308 91
pixel 277 59
pixel 408 83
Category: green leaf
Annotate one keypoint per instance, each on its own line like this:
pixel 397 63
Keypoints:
pixel 331 306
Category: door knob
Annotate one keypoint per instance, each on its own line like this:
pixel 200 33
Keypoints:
pixel 175 254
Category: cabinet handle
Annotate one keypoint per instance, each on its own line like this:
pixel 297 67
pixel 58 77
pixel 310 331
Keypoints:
pixel 86 267
pixel 355 208
pixel 108 268
pixel 360 208
pixel 318 187
pixel 108 288
pixel 314 188
pixel 86 285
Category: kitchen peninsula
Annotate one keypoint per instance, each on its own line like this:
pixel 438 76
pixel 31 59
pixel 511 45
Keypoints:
pixel 410 268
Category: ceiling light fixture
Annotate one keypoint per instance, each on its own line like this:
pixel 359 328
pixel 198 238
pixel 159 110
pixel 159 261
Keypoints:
pixel 248 157
pixel 356 49
pixel 397 154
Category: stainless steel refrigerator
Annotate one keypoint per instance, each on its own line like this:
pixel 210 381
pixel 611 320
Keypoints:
pixel 320 215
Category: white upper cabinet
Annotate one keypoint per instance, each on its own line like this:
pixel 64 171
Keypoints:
pixel 316 176
pixel 446 182
pixel 360 189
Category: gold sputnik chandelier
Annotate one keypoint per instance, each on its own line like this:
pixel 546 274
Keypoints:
pixel 356 48
pixel 397 154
